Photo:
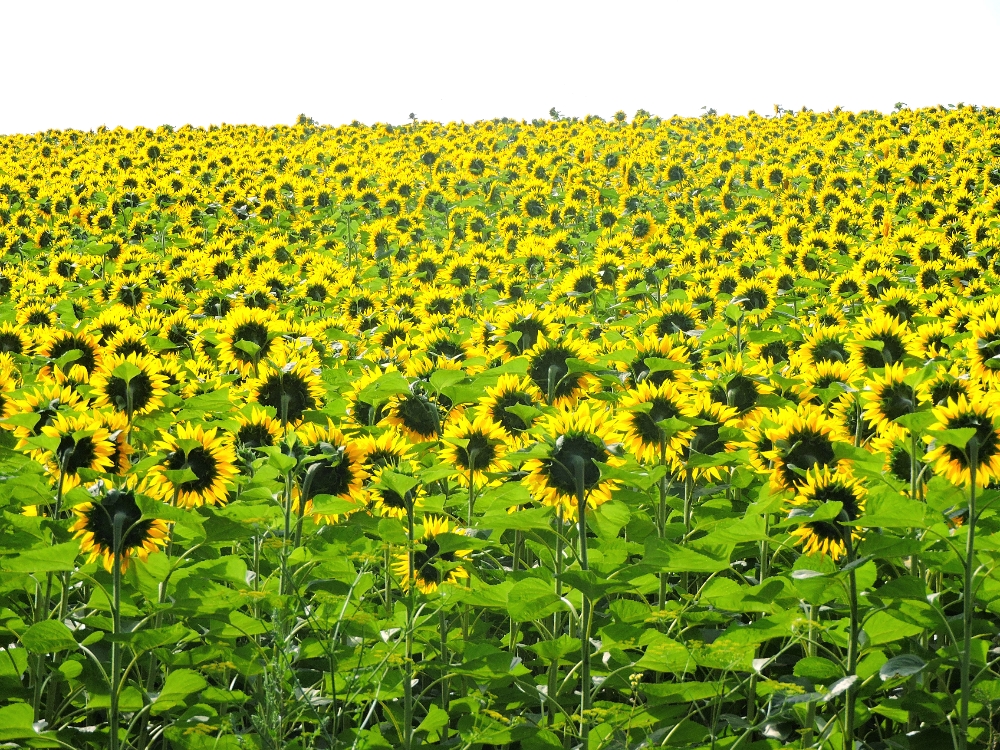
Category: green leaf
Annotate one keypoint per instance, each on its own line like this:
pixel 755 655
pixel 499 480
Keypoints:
pixel 47 637
pixel 917 421
pixel 387 386
pixel 959 438
pixel 669 557
pixel 178 477
pixel 17 722
pixel 522 519
pixel 556 649
pixel 593 587
pixel 435 720
pixel 817 669
pixel 532 599
pixel 47 560
pixel 664 654
pixel 249 347
pixel 331 505
pixel 126 371
pixel 441 379
pixel 179 685
pixel 904 665
pixel 398 483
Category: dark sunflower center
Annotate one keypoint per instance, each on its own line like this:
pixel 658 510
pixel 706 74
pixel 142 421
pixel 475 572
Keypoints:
pixel 644 422
pixel 418 414
pixel 705 440
pixel 287 393
pixel 510 421
pixel 900 464
pixel 776 351
pixel 830 350
pixel 86 358
pixel 675 322
pixel 254 333
pixel 941 392
pixel 10 342
pixel 808 449
pixel 837 492
pixel 100 521
pixel 479 453
pixel 741 393
pixel 201 463
pixel 254 436
pixel 550 372
pixel 392 499
pixel 75 455
pixel 985 437
pixel 328 477
pixel 380 458
pixel 529 328
pixel 988 350
pixel 892 351
pixel 571 453
pixel 140 387
pixel 896 400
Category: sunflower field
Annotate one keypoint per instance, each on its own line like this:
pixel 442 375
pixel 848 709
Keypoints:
pixel 564 434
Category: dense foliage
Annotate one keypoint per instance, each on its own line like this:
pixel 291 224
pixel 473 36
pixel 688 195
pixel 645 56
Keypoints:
pixel 648 433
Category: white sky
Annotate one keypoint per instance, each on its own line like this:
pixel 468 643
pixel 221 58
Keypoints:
pixel 86 63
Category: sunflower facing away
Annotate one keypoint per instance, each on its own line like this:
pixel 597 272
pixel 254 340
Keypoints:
pixel 95 528
pixel 954 463
pixel 432 567
pixel 828 536
pixel 206 454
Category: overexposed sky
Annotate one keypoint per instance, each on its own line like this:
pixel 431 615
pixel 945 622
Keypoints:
pixel 87 63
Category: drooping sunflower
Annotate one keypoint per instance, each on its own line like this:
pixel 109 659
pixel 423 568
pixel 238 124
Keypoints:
pixel 887 396
pixel 579 443
pixel 804 439
pixel 95 528
pixel 207 454
pixel 389 449
pixel 828 381
pixel 510 392
pixel 387 502
pixel 895 446
pixel 475 448
pixel 829 536
pixel 289 383
pixel 245 338
pixel 738 383
pixel 257 429
pixel 331 465
pixel 432 567
pixel 645 407
pixel 83 444
pixel 132 384
pixel 116 425
pixel 955 463
pixel 551 371
pixel 13 340
pixel 519 328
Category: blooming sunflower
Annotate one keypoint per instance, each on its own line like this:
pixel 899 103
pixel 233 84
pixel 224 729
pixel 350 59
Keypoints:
pixel 290 386
pixel 707 437
pixel 551 371
pixel 511 391
pixel 95 528
pixel 387 502
pixel 828 537
pixel 645 407
pixel 206 454
pixel 894 337
pixel 475 448
pixel 803 439
pixel 84 443
pixel 416 415
pixel 131 383
pixel 954 463
pixel 332 465
pixel 258 429
pixel 888 397
pixel 431 567
pixel 983 348
pixel 579 443
pixel 245 338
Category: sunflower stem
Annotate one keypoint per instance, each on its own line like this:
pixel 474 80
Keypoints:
pixel 553 677
pixel 852 643
pixel 116 628
pixel 688 516
pixel 408 642
pixel 967 598
pixel 445 689
pixel 581 500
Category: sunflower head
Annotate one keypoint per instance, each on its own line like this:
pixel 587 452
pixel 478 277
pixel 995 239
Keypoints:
pixel 580 444
pixel 198 467
pixel 821 486
pixel 501 402
pixel 982 451
pixel 130 383
pixel 117 518
pixel 804 439
pixel 475 448
pixel 432 567
pixel 83 443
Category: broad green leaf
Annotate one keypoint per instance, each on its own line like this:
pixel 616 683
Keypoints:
pixel 58 557
pixel 48 636
pixel 180 683
pixel 532 599
pixel 904 665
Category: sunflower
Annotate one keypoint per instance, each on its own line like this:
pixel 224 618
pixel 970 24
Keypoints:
pixel 551 371
pixel 804 438
pixel 738 383
pixel 245 339
pixel 205 454
pixel 828 537
pixel 578 444
pixel 416 415
pixel 887 396
pixel 707 437
pixel 116 425
pixel 60 343
pixel 475 448
pixel 522 326
pixel 13 340
pixel 387 502
pixel 258 429
pixel 756 297
pixel 332 465
pixel 389 449
pixel 646 406
pixel 983 348
pixel 673 364
pixel 946 384
pixel 674 317
pixel 894 340
pixel 289 384
pixel 510 392
pixel 431 567
pixel 96 523
pixel 46 401
pixel 83 444
pixel 818 379
pixel 132 384
pixel 895 446
pixel 953 462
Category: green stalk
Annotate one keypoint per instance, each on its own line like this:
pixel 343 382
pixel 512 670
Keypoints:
pixel 116 628
pixel 661 520
pixel 852 644
pixel 581 500
pixel 968 603
pixel 445 658
pixel 408 642
pixel 553 677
